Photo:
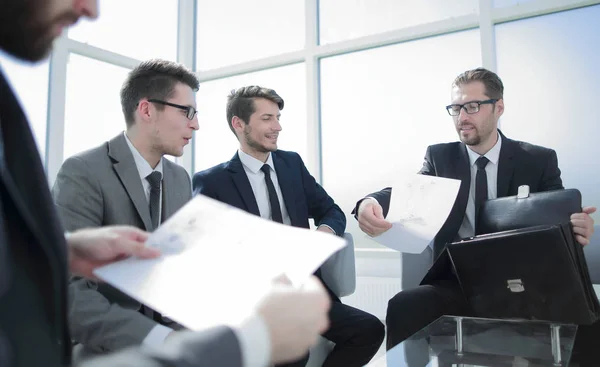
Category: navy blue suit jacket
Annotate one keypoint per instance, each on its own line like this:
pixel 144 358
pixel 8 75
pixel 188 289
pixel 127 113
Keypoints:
pixel 303 197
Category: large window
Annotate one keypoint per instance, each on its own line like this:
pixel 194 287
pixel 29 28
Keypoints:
pixel 380 110
pixel 377 72
pixel 93 106
pixel 215 143
pixel 30 82
pixel 549 66
pixel 235 31
pixel 142 29
pixel 347 19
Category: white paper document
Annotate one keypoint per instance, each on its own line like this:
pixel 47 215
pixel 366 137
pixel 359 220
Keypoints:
pixel 419 206
pixel 217 262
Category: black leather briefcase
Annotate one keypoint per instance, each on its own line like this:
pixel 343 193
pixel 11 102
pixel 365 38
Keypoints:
pixel 524 263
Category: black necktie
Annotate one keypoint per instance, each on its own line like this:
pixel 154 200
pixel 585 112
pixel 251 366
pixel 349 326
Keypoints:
pixel 481 187
pixel 273 200
pixel 154 179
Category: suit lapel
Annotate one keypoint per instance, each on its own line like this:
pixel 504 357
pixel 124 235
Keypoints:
pixel 21 171
pixel 238 175
pixel 168 195
pixel 506 165
pixel 284 177
pixel 125 167
pixel 172 197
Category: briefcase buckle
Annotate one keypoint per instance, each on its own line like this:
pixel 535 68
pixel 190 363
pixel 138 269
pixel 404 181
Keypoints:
pixel 515 285
pixel 523 192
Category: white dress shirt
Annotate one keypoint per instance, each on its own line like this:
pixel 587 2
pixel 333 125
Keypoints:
pixel 159 333
pixel 467 228
pixel 256 177
pixel 144 169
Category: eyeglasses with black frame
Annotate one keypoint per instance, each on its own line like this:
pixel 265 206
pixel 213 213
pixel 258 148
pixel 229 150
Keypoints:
pixel 190 111
pixel 470 107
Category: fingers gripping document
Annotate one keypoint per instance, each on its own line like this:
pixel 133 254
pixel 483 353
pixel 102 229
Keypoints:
pixel 419 206
pixel 217 262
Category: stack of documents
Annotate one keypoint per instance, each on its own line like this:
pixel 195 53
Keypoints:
pixel 217 263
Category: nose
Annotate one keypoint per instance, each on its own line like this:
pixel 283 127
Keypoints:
pixel 194 123
pixel 277 126
pixel 87 8
pixel 463 116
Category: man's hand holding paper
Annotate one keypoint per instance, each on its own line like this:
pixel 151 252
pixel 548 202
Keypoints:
pixel 209 274
pixel 419 206
pixel 371 219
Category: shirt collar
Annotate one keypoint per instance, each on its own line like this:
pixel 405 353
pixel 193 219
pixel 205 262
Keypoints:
pixel 493 154
pixel 253 164
pixel 143 167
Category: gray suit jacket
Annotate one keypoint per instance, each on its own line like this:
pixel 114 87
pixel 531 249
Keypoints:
pixel 102 187
pixel 33 330
pixel 213 347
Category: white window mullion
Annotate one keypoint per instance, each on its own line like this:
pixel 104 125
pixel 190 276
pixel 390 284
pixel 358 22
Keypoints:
pixel 57 89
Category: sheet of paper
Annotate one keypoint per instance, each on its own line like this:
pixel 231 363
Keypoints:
pixel 217 263
pixel 419 207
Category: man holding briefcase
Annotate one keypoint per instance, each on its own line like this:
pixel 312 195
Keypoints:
pixel 489 165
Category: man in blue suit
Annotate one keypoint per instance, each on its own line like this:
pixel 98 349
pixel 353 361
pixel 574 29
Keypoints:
pixel 276 185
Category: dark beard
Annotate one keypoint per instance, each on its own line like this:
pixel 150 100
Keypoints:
pixel 473 141
pixel 21 34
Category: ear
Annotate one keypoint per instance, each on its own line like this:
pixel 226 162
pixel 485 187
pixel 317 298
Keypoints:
pixel 144 110
pixel 237 124
pixel 500 107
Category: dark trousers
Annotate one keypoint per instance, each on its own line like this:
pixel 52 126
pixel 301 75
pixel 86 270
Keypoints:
pixel 357 336
pixel 411 310
pixel 586 351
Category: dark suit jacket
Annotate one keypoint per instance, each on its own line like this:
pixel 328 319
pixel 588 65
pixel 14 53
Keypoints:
pixel 33 256
pixel 33 270
pixel 303 197
pixel 519 164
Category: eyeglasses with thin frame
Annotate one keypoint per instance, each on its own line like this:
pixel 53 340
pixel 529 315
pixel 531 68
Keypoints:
pixel 190 112
pixel 470 107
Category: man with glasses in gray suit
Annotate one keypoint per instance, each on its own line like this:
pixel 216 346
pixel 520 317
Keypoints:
pixel 127 180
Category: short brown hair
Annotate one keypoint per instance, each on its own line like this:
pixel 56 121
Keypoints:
pixel 240 102
pixel 491 81
pixel 153 79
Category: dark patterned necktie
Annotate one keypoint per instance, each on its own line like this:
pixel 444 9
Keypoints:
pixel 481 187
pixel 154 179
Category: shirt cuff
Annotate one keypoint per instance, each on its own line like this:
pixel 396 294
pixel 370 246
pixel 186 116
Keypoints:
pixel 325 225
pixel 255 342
pixel 156 337
pixel 369 198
